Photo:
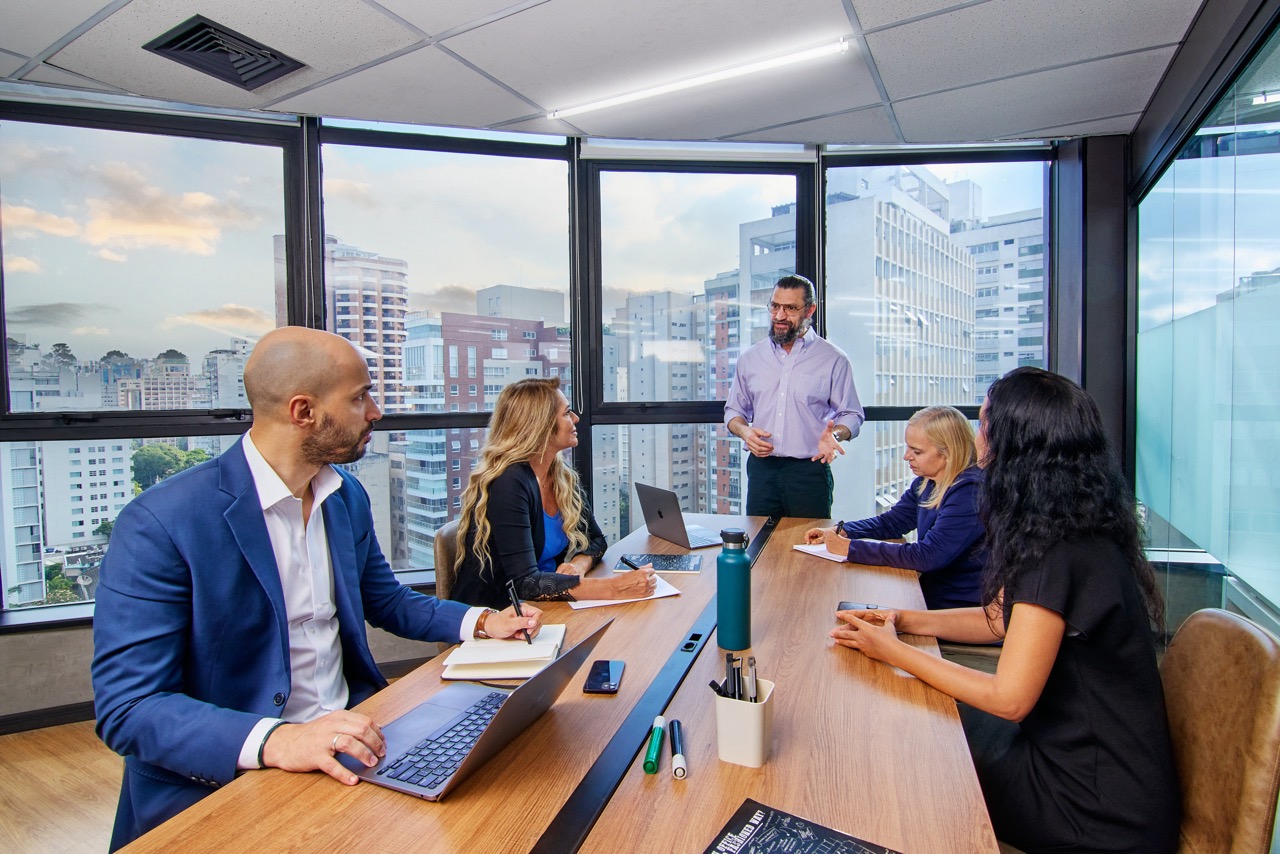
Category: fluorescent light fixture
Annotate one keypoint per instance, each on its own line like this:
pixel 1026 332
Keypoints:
pixel 1266 98
pixel 702 79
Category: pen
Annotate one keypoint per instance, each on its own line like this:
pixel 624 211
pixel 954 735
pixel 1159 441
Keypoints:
pixel 751 679
pixel 628 562
pixel 651 756
pixel 678 766
pixel 727 687
pixel 515 603
pixel 715 686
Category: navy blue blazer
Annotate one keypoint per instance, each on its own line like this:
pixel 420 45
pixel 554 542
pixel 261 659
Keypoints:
pixel 947 550
pixel 191 643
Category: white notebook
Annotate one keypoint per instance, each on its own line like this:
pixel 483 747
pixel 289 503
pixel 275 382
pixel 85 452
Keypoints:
pixel 504 659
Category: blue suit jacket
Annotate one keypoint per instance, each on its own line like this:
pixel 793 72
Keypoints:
pixel 191 644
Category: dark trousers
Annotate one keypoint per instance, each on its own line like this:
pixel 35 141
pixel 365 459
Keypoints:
pixel 789 486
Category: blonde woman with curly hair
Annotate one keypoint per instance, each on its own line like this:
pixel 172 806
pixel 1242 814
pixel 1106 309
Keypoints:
pixel 524 516
pixel 941 506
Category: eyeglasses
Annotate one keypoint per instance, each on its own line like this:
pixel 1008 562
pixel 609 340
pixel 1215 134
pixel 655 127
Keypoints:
pixel 789 310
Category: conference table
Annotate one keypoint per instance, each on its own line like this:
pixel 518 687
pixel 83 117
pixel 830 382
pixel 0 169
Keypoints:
pixel 858 747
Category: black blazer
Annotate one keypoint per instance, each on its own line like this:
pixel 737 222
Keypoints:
pixel 517 536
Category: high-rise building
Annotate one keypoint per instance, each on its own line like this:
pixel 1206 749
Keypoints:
pixel 366 297
pixel 1008 253
pixel 21 545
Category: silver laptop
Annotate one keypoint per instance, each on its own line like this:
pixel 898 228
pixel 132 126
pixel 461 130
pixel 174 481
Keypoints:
pixel 438 744
pixel 663 518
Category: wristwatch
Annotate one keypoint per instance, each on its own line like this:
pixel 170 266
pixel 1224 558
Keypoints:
pixel 484 615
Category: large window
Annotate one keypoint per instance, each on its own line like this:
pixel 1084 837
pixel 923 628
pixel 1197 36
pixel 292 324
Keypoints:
pixel 688 261
pixel 136 266
pixel 452 271
pixel 138 270
pixel 935 287
pixel 1208 388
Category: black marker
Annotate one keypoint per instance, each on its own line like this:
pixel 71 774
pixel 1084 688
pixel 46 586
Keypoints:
pixel 626 561
pixel 678 766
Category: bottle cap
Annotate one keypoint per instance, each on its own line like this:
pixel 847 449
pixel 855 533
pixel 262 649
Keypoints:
pixel 734 535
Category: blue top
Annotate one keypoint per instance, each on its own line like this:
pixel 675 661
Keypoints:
pixel 948 539
pixel 556 542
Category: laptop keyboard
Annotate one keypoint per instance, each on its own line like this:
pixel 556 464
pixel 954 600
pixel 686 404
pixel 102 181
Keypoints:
pixel 430 762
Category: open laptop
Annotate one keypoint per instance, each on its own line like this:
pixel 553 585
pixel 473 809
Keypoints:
pixel 439 743
pixel 663 517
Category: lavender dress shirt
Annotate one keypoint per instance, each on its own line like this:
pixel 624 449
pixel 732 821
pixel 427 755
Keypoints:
pixel 793 395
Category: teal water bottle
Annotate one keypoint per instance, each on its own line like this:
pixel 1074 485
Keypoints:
pixel 733 591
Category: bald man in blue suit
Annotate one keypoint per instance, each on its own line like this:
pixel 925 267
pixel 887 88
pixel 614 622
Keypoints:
pixel 229 632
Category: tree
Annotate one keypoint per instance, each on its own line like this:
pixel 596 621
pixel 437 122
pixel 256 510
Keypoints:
pixel 172 355
pixel 62 355
pixel 153 463
pixel 104 529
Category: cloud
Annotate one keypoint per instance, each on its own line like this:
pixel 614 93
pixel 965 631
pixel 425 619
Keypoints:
pixel 62 314
pixel 108 255
pixel 19 264
pixel 357 193
pixel 447 298
pixel 22 221
pixel 232 320
pixel 135 214
pixel 91 330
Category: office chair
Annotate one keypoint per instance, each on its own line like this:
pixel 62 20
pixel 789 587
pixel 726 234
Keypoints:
pixel 446 546
pixel 1221 678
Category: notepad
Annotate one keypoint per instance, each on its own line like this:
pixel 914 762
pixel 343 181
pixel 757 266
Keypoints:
pixel 490 658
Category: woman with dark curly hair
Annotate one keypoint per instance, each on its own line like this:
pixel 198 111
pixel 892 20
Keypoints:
pixel 1069 735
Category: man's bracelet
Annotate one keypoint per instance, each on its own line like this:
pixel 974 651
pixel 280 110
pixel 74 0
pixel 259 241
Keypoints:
pixel 262 747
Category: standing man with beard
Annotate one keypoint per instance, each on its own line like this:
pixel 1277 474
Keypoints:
pixel 229 632
pixel 792 402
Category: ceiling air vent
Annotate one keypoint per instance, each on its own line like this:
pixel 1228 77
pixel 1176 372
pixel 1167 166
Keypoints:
pixel 223 53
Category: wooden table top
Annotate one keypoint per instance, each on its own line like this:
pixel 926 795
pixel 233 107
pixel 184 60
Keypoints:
pixel 858 746
pixel 507 804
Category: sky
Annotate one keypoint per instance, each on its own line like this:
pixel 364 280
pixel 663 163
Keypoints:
pixel 136 242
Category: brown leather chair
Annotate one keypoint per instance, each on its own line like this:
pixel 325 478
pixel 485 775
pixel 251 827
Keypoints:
pixel 1221 678
pixel 446 547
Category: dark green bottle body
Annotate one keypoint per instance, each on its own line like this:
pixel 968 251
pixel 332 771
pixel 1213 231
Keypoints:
pixel 733 592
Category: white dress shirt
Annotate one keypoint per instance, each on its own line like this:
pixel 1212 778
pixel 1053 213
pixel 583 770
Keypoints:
pixel 306 574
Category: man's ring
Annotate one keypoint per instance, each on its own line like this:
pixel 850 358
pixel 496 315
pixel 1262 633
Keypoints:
pixel 333 745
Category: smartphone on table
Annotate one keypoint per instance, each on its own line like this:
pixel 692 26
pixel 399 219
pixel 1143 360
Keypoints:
pixel 604 677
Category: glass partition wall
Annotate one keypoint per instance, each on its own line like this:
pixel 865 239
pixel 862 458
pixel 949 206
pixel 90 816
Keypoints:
pixel 1208 381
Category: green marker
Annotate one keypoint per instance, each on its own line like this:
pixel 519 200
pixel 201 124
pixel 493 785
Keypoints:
pixel 655 746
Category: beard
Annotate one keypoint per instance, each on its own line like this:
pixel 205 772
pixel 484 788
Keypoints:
pixel 794 330
pixel 331 444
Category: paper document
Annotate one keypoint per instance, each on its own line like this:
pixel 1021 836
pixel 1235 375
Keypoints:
pixel 664 588
pixel 819 550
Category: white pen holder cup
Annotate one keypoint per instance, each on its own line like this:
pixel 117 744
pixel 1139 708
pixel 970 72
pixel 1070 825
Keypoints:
pixel 744 730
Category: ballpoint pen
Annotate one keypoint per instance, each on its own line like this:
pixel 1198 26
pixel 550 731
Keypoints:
pixel 751 678
pixel 515 603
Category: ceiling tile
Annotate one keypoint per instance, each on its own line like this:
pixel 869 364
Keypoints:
pixel 423 87
pixel 877 13
pixel 48 74
pixel 10 63
pixel 1111 124
pixel 1077 93
pixel 339 35
pixel 1006 37
pixel 860 127
pixel 828 85
pixel 28 28
pixel 440 16
pixel 543 51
